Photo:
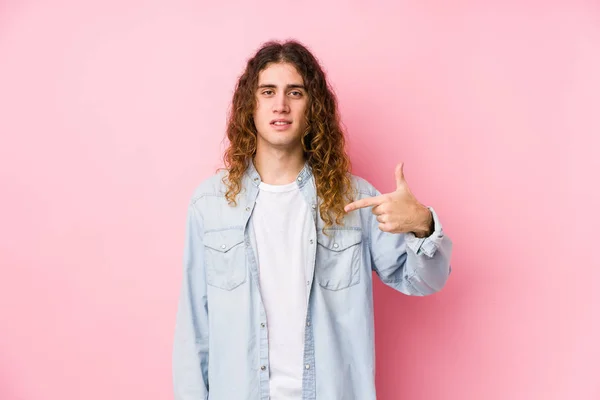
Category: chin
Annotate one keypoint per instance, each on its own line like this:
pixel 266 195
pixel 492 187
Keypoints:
pixel 281 138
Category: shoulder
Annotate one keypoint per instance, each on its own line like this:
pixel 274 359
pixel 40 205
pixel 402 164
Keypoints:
pixel 362 187
pixel 211 186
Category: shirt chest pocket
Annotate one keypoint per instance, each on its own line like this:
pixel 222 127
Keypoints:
pixel 225 258
pixel 339 255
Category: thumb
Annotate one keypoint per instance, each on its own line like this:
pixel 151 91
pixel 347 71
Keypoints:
pixel 399 175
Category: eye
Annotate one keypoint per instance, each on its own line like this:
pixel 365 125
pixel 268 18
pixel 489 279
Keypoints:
pixel 296 93
pixel 267 92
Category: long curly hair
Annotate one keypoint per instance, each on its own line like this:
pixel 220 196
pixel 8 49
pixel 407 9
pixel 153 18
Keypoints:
pixel 323 141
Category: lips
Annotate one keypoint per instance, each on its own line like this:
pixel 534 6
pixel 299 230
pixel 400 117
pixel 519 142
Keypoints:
pixel 281 122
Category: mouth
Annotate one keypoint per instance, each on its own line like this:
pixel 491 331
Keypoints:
pixel 281 122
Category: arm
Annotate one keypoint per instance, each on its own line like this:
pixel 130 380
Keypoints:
pixel 411 265
pixel 190 348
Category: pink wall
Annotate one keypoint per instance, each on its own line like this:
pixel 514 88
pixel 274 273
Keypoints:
pixel 111 112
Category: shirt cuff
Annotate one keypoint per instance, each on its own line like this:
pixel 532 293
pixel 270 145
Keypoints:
pixel 427 245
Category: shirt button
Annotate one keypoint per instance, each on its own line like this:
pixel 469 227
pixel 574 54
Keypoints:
pixel 307 366
pixel 314 206
pixel 335 246
pixel 247 208
pixel 311 241
pixel 299 179
pixel 307 323
pixel 262 367
pixel 307 283
pixel 262 324
pixel 223 246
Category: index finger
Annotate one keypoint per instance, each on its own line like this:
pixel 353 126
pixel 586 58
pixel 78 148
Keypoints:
pixel 362 203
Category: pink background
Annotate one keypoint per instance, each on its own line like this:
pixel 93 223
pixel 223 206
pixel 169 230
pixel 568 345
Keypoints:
pixel 112 111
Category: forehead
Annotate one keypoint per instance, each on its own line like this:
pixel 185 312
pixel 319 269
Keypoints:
pixel 280 73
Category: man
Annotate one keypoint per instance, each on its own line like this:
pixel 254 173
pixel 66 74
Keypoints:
pixel 276 301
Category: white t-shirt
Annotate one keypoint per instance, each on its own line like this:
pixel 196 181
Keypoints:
pixel 282 222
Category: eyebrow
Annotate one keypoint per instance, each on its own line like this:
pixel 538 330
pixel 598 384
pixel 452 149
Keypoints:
pixel 271 86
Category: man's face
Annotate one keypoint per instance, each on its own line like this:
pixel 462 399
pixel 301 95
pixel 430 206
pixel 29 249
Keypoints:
pixel 281 102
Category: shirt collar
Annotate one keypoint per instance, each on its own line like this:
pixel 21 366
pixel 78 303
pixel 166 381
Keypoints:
pixel 302 178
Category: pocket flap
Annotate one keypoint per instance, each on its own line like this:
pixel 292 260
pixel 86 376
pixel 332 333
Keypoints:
pixel 339 239
pixel 223 241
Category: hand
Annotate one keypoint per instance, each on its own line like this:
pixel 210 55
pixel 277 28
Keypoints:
pixel 399 211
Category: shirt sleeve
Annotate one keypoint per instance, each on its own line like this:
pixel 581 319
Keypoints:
pixel 427 245
pixel 411 265
pixel 190 347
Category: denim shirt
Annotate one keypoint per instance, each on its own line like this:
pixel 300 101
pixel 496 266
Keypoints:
pixel 221 344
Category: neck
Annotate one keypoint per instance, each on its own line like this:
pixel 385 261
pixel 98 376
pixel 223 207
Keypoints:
pixel 278 167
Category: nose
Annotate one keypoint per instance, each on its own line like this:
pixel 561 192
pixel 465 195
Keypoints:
pixel 280 105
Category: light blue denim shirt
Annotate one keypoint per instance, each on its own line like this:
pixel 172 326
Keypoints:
pixel 221 344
